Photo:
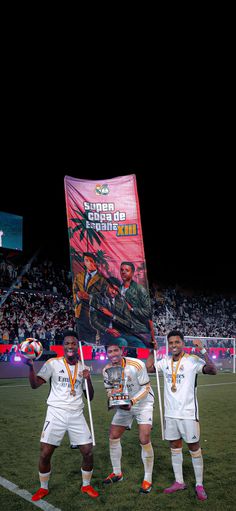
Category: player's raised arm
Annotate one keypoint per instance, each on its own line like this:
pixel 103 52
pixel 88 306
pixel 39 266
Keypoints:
pixel 35 381
pixel 150 362
pixel 86 376
pixel 209 367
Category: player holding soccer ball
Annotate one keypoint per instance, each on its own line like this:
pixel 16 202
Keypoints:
pixel 65 412
pixel 31 348
pixel 181 408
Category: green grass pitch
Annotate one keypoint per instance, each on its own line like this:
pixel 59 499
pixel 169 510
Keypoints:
pixel 22 417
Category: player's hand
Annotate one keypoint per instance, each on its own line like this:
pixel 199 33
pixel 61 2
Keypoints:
pixel 82 295
pixel 154 343
pixel 86 374
pixel 113 332
pixel 150 364
pixel 198 344
pixel 125 407
pixel 27 361
pixel 106 312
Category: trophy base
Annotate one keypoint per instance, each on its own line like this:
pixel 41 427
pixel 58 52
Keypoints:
pixel 118 399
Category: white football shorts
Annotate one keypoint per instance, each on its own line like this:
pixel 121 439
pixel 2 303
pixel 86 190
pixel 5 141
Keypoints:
pixel 143 415
pixel 59 421
pixel 188 429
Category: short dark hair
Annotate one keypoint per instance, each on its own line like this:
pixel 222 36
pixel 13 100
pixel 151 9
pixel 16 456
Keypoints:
pixel 175 333
pixel 114 342
pixel 70 333
pixel 128 263
pixel 113 281
pixel 89 254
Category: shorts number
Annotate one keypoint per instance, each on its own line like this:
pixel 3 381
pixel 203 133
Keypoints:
pixel 46 425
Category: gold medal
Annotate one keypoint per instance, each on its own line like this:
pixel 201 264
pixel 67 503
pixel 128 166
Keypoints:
pixel 174 373
pixel 72 380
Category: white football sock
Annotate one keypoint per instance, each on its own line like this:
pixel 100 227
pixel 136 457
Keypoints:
pixel 86 477
pixel 147 456
pixel 44 478
pixel 177 464
pixel 197 461
pixel 115 455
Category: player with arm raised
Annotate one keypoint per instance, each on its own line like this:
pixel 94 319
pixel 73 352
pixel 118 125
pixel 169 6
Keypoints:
pixel 181 407
pixel 65 412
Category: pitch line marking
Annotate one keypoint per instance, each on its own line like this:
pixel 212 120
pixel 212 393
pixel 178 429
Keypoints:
pixel 202 385
pixel 209 384
pixel 101 381
pixel 212 384
pixel 26 495
pixel 7 386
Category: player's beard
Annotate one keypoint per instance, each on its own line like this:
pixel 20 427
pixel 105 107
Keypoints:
pixel 176 354
pixel 116 361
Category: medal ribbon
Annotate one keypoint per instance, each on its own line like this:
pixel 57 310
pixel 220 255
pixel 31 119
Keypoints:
pixel 123 372
pixel 174 373
pixel 72 380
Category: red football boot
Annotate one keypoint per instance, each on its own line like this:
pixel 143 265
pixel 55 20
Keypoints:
pixel 90 491
pixel 40 494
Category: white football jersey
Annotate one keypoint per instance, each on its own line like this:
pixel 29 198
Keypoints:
pixel 55 371
pixel 138 382
pixel 181 404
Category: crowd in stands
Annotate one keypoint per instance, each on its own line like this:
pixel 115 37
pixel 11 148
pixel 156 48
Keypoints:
pixel 40 306
pixel 36 276
pixel 194 314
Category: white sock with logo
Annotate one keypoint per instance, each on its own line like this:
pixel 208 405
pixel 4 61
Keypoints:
pixel 197 461
pixel 86 477
pixel 147 456
pixel 177 464
pixel 44 478
pixel 115 455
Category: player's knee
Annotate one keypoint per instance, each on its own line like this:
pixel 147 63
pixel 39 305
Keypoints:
pixel 194 447
pixel 86 450
pixel 45 455
pixel 176 444
pixel 196 454
pixel 144 438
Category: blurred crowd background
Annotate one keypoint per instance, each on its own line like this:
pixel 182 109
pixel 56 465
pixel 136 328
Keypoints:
pixel 36 301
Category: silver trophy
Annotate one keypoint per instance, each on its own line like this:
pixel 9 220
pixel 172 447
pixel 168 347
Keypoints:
pixel 118 394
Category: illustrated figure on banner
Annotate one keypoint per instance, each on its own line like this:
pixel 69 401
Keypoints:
pixel 86 282
pixel 138 302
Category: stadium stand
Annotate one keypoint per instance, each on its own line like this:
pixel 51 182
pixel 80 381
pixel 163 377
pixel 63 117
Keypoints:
pixel 41 306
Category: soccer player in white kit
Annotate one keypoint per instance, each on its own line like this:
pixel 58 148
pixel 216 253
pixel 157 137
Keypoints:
pixel 141 409
pixel 181 407
pixel 65 412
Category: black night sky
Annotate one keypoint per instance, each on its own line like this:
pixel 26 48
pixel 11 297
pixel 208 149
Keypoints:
pixel 186 203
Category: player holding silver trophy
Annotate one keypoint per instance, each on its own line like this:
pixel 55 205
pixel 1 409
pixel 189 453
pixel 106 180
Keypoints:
pixel 116 385
pixel 139 406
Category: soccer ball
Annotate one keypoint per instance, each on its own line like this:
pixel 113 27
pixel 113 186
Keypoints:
pixel 31 349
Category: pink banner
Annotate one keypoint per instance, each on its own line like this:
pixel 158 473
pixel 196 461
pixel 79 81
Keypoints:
pixel 105 236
